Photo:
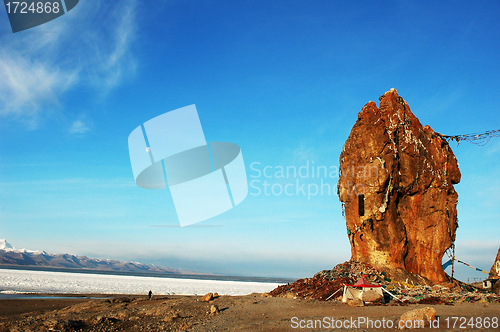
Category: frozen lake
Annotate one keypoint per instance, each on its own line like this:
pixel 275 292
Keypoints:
pixel 25 281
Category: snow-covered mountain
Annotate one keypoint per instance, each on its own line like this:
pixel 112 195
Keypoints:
pixel 5 245
pixel 9 256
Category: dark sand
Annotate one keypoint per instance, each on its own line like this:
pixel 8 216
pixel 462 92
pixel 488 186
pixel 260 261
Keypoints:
pixel 188 313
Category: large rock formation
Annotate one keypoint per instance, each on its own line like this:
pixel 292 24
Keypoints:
pixel 495 268
pixel 396 183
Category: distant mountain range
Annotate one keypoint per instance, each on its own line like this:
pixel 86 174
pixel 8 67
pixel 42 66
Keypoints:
pixel 11 257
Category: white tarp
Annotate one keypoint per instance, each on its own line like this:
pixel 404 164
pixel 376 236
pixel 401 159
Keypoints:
pixel 351 293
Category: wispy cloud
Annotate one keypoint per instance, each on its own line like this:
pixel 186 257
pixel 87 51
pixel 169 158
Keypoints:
pixel 78 127
pixel 494 148
pixel 108 53
pixel 29 87
pixel 39 65
pixel 119 60
pixel 303 153
pixel 478 253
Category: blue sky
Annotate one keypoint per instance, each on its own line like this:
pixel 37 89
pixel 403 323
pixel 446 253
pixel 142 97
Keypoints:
pixel 283 79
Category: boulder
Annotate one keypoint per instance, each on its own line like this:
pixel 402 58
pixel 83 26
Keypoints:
pixel 208 297
pixel 371 297
pixel 396 183
pixel 214 310
pixel 418 318
pixel 355 303
pixel 171 316
pixel 495 268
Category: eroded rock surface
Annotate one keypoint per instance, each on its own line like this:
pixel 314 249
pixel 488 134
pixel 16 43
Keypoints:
pixel 396 184
pixel 495 268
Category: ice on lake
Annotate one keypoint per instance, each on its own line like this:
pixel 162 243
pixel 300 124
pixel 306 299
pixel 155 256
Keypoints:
pixel 25 281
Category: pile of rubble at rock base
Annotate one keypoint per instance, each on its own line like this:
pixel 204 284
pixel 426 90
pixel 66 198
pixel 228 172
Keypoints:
pixel 327 282
pixel 318 288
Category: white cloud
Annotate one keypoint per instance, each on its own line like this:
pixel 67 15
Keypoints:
pixel 304 153
pixel 108 50
pixel 79 127
pixel 493 148
pixel 479 245
pixel 29 86
pixel 119 59
pixel 39 65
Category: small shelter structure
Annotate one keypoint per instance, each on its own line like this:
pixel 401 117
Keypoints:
pixel 489 283
pixel 356 291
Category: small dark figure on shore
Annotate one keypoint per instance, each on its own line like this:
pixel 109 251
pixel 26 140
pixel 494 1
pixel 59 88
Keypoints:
pixel 150 294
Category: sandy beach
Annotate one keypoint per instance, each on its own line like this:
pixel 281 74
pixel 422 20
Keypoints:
pixel 255 312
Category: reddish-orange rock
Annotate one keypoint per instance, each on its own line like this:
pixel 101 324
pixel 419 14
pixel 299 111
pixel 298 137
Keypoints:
pixel 495 268
pixel 208 297
pixel 396 183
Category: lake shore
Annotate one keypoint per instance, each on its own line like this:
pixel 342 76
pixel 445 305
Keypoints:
pixel 254 312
